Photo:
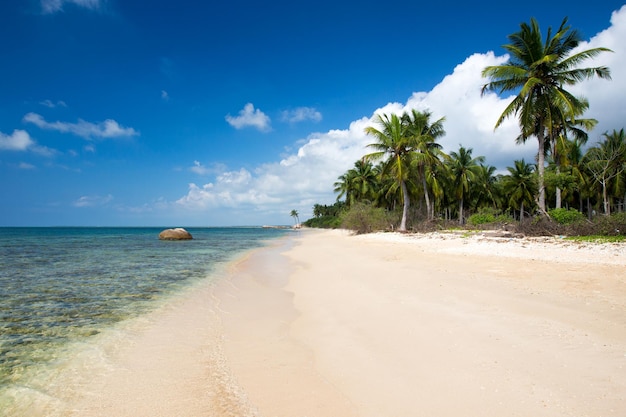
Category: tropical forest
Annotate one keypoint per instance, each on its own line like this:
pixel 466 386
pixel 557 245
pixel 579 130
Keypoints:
pixel 406 182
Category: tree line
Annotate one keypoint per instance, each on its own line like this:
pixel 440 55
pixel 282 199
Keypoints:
pixel 407 174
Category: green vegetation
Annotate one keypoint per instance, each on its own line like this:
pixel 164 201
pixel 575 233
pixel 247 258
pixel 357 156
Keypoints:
pixel 570 190
pixel 566 216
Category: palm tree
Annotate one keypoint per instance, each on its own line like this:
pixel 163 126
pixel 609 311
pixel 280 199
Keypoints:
pixel 393 144
pixel 486 189
pixel 424 135
pixel 537 71
pixel 607 161
pixel 520 186
pixel 296 219
pixel 464 170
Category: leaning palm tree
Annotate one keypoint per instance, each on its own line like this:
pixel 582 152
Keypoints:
pixel 296 219
pixel 396 148
pixel 464 170
pixel 538 72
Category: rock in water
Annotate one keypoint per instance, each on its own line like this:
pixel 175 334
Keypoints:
pixel 175 234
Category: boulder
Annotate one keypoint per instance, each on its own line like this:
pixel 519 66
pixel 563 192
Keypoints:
pixel 175 234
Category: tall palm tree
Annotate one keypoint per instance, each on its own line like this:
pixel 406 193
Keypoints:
pixel 396 149
pixel 424 135
pixel 538 72
pixel 464 170
pixel 520 185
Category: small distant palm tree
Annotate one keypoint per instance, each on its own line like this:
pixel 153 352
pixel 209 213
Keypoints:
pixel 520 185
pixel 294 214
pixel 464 170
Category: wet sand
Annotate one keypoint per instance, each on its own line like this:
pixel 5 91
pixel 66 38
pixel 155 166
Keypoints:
pixel 329 324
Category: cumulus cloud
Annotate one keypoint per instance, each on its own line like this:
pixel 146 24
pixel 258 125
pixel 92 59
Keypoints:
pixel 93 201
pixel 306 177
pixel 607 101
pixel 301 114
pixel 103 130
pixel 53 6
pixel 19 140
pixel 250 117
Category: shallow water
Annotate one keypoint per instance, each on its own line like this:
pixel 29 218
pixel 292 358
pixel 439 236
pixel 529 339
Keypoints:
pixel 63 286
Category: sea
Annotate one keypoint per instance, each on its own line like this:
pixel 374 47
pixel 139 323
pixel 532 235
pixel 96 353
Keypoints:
pixel 63 286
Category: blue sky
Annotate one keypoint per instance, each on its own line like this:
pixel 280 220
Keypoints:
pixel 189 113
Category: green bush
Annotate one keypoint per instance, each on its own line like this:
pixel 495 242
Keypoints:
pixel 488 215
pixel 365 218
pixel 566 216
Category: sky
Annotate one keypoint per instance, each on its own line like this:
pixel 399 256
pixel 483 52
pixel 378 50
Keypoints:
pixel 191 113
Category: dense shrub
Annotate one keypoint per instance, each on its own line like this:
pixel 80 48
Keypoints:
pixel 487 216
pixel 365 218
pixel 566 216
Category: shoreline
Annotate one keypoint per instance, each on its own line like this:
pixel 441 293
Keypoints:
pixel 325 324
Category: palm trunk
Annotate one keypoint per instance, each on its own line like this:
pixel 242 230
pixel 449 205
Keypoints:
pixel 558 190
pixel 426 197
pixel 541 202
pixel 521 213
pixel 461 211
pixel 405 209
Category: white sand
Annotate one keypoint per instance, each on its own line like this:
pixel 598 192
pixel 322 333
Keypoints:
pixel 397 325
pixel 383 325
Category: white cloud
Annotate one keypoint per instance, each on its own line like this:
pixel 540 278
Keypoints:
pixel 52 105
pixel 53 6
pixel 306 177
pixel 607 99
pixel 301 114
pixel 105 130
pixel 25 165
pixel 93 201
pixel 250 117
pixel 164 95
pixel 200 169
pixel 19 140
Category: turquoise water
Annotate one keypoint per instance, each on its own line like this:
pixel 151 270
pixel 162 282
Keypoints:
pixel 59 286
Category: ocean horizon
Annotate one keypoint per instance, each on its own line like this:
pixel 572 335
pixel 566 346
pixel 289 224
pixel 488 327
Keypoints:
pixel 63 286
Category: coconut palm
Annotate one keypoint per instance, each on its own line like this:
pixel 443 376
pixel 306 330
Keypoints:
pixel 559 132
pixel 607 161
pixel 538 72
pixel 520 185
pixel 396 149
pixel 424 135
pixel 296 219
pixel 464 170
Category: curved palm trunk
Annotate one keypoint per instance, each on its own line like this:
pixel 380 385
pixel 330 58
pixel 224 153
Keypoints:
pixel 405 209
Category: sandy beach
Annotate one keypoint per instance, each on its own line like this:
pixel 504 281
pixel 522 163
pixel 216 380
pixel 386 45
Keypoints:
pixel 329 324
